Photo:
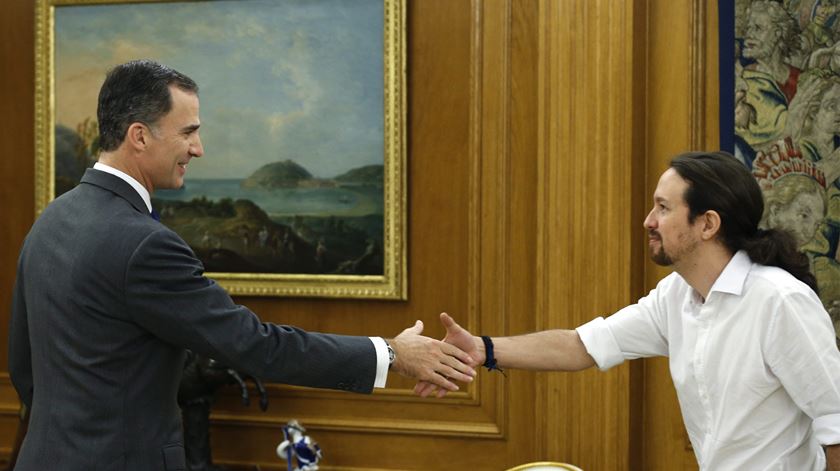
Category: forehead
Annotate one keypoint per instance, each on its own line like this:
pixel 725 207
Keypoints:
pixel 759 16
pixel 671 187
pixel 808 199
pixel 832 93
pixel 181 98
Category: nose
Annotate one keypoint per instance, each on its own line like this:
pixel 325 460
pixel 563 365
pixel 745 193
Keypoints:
pixel 650 220
pixel 196 149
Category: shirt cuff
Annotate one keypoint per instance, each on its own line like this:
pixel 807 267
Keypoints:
pixel 827 429
pixel 600 343
pixel 383 361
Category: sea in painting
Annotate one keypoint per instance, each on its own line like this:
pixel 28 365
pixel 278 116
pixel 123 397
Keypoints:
pixel 275 223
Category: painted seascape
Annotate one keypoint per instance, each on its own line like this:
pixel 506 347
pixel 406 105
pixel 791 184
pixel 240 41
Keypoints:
pixel 292 181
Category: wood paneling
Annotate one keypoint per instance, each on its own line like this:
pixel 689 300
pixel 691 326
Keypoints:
pixel 17 85
pixel 588 234
pixel 682 102
pixel 17 141
pixel 537 131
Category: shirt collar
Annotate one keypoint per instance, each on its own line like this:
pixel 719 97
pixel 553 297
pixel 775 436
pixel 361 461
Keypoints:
pixel 734 275
pixel 140 189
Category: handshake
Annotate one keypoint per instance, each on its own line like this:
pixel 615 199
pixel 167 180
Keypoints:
pixel 434 363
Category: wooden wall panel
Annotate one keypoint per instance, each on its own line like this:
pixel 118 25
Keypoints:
pixel 682 103
pixel 537 130
pixel 668 133
pixel 587 216
pixel 17 85
pixel 526 424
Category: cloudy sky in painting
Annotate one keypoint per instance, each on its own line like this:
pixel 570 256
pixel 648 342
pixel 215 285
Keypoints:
pixel 291 79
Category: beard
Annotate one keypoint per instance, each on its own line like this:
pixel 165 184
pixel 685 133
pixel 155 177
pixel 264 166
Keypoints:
pixel 659 256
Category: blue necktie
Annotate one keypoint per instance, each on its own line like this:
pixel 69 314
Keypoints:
pixel 155 215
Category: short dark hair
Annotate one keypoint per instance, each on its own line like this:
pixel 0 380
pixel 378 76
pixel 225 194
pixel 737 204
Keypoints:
pixel 137 91
pixel 717 181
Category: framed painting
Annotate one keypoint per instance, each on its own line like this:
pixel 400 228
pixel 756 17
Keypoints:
pixel 302 187
pixel 780 115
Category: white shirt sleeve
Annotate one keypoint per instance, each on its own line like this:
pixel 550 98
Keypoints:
pixel 827 429
pixel 637 331
pixel 801 351
pixel 383 361
pixel 600 343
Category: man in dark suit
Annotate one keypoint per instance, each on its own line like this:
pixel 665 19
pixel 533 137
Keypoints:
pixel 107 299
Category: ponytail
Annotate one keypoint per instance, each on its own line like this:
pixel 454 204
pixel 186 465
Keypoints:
pixel 777 247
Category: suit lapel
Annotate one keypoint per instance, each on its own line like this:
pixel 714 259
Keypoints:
pixel 115 185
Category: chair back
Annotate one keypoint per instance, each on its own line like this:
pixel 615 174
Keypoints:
pixel 545 466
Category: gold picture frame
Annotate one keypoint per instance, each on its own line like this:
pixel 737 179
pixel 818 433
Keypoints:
pixel 339 279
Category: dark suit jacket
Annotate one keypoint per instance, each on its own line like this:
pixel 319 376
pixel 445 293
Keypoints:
pixel 106 301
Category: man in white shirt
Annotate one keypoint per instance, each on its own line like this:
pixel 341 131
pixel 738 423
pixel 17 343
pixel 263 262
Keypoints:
pixel 107 299
pixel 751 349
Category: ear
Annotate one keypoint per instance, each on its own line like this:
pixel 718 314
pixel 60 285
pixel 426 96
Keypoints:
pixel 137 136
pixel 710 221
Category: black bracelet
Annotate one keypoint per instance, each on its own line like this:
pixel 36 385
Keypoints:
pixel 489 359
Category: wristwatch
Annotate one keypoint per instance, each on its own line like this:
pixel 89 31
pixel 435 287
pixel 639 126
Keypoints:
pixel 392 355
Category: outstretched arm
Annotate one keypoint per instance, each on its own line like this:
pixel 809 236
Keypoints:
pixel 549 350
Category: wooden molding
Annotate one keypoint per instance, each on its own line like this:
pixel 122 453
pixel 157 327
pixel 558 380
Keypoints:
pixel 491 159
pixel 376 425
pixel 697 75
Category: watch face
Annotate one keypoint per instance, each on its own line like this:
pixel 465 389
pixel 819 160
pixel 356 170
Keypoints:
pixel 391 354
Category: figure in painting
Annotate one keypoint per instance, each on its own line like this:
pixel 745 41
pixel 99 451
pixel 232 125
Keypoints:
pixel 794 192
pixel 768 80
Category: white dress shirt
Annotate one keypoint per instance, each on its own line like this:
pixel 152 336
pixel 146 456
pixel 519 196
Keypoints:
pixel 756 366
pixel 382 357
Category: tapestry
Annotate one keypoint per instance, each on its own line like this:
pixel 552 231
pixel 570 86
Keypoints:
pixel 781 117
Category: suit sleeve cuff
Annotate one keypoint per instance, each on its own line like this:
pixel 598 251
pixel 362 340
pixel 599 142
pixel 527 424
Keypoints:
pixel 827 429
pixel 382 361
pixel 600 343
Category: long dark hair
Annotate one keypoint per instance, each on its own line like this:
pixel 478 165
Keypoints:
pixel 137 91
pixel 719 182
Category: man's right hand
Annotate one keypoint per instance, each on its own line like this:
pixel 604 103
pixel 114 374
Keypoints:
pixel 461 338
pixel 430 361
